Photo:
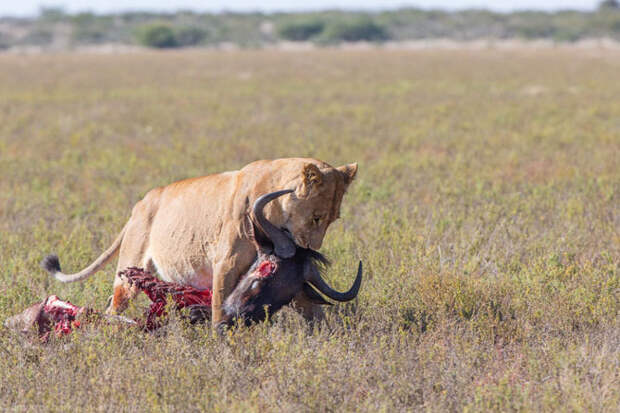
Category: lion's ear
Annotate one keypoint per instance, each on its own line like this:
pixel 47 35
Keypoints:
pixel 348 172
pixel 311 179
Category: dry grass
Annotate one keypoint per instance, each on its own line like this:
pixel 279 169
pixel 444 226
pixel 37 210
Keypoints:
pixel 486 212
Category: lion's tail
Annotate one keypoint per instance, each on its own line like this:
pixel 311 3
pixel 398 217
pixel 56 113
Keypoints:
pixel 52 265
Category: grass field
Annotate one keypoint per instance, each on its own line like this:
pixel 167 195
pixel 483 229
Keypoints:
pixel 485 211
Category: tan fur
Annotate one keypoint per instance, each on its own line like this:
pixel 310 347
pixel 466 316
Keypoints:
pixel 196 231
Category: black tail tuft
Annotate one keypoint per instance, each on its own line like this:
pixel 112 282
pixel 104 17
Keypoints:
pixel 51 264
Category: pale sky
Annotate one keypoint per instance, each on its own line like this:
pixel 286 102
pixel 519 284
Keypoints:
pixel 31 7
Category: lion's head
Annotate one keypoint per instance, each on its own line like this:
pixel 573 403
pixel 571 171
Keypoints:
pixel 315 204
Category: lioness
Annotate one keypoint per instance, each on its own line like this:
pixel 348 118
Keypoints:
pixel 196 231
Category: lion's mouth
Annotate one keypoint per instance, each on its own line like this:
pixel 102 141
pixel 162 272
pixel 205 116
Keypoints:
pixel 300 242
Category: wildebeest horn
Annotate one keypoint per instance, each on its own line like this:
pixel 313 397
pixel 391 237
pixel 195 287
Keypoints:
pixel 322 286
pixel 284 247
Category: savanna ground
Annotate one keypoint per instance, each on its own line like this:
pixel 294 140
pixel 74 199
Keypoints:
pixel 485 210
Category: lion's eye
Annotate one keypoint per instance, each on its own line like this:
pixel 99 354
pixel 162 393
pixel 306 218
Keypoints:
pixel 316 220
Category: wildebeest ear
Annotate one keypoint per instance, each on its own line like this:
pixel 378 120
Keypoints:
pixel 311 179
pixel 314 296
pixel 348 172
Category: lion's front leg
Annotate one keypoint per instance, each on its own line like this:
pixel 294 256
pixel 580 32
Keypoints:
pixel 224 280
pixel 233 263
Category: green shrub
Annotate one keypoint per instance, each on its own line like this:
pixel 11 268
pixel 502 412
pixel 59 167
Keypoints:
pixel 535 31
pixel 39 36
pixel 89 28
pixel 189 36
pixel 157 35
pixel 300 30
pixel 355 30
pixel 566 34
pixel 165 36
pixel 609 5
pixel 52 14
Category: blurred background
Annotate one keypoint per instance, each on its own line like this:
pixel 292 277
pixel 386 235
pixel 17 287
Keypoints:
pixel 32 25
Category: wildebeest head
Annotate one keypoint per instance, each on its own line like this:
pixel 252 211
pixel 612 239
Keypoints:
pixel 273 281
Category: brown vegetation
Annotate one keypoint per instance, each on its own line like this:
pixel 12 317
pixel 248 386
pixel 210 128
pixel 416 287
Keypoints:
pixel 487 219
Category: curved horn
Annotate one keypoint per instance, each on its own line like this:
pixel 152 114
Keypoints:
pixel 316 280
pixel 283 245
